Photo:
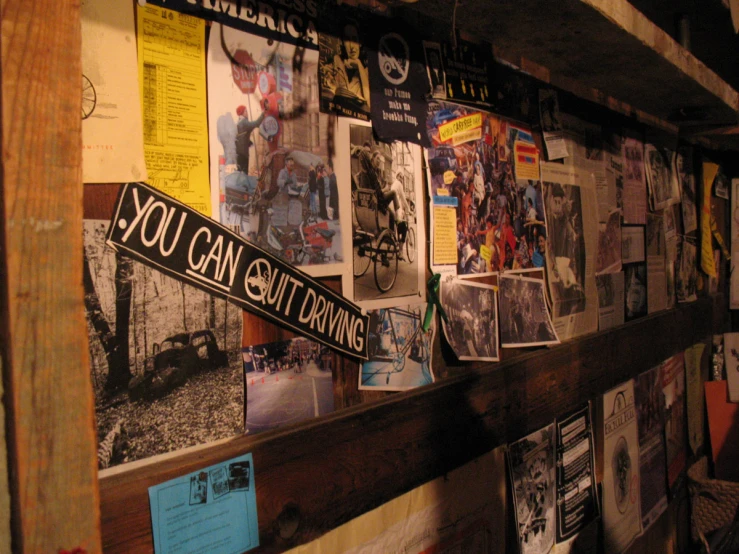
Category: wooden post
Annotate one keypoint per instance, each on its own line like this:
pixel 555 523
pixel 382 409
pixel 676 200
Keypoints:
pixel 43 338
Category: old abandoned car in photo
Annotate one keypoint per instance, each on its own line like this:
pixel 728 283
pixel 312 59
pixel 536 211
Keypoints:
pixel 177 358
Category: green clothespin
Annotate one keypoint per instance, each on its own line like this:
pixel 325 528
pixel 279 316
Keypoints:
pixel 433 293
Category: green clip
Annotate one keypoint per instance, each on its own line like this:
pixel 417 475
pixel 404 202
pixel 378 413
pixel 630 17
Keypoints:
pixel 433 292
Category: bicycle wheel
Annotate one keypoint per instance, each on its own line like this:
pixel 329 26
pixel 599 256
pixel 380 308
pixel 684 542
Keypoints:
pixel 410 244
pixel 362 256
pixel 89 97
pixel 386 262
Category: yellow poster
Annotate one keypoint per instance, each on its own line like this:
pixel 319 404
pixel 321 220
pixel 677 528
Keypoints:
pixel 709 174
pixel 462 129
pixel 445 236
pixel 527 160
pixel 171 48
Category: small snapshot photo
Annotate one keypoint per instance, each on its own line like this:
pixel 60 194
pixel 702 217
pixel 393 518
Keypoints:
pixel 635 283
pixel 238 476
pixel 472 326
pixel 399 350
pixel 286 382
pixel 219 482
pixel 199 488
pixel 435 69
pixel 524 317
pixel 384 221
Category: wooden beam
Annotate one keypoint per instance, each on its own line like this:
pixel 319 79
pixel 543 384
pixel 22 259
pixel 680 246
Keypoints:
pixel 52 442
pixel 333 469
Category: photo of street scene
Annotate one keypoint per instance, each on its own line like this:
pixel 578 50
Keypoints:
pixel 472 313
pixel 269 148
pixel 286 382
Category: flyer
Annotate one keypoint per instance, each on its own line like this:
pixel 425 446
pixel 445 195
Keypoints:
pixel 621 503
pixel 171 54
pixel 400 351
pixel 577 500
pixel 610 300
pixel 211 510
pixel 532 471
pixel 398 81
pixel 459 72
pixel 112 132
pixel 710 170
pixel 652 461
pixel 734 280
pixel 551 124
pixel 656 264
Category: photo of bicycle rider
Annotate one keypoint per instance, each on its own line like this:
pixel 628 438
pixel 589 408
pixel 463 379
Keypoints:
pixel 385 228
pixel 472 313
pixel 399 350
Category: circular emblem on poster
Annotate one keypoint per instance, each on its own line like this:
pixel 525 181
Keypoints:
pixel 393 56
pixel 270 127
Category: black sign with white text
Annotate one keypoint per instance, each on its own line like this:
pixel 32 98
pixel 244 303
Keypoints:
pixel 158 231
pixel 398 83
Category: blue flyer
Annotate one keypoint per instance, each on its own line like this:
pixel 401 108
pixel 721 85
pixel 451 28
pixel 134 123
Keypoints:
pixel 213 510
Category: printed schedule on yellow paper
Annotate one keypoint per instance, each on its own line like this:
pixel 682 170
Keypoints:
pixel 171 57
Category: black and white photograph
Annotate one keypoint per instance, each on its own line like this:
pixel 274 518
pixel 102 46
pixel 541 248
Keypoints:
pixel 435 69
pixel 472 326
pixel 686 274
pixel 273 176
pixel 531 462
pixel 661 177
pixel 635 290
pixel 287 381
pixel 238 476
pixel 524 317
pixel 219 482
pixel 165 357
pixel 199 488
pixel 721 184
pixel 609 245
pixel 343 76
pixel 686 176
pixel 399 350
pixel 387 235
pixel 565 248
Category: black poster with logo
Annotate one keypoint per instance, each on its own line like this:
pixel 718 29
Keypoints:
pixel 163 233
pixel 461 73
pixel 398 82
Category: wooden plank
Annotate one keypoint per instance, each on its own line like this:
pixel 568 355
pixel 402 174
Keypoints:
pixel 338 467
pixel 54 486
pixel 605 45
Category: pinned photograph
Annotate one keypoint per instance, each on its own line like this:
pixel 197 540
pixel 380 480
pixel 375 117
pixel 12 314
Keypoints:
pixel 399 350
pixel 272 173
pixel 163 356
pixel 524 317
pixel 388 256
pixel 342 70
pixel 286 382
pixel 565 248
pixel 635 283
pixel 472 326
pixel 435 69
pixel 199 488
pixel 661 176
pixel 532 471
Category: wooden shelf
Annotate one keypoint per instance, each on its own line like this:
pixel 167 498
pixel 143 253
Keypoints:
pixel 607 45
pixel 328 471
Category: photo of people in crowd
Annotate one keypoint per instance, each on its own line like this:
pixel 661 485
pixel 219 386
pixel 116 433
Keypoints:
pixel 471 327
pixel 342 69
pixel 500 219
pixel 524 317
pixel 269 149
pixel 566 248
